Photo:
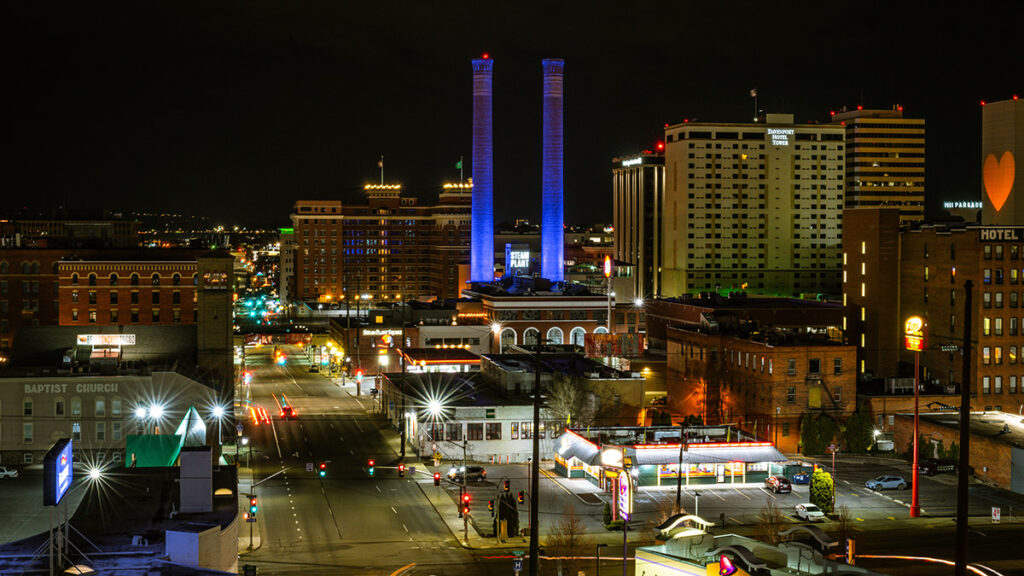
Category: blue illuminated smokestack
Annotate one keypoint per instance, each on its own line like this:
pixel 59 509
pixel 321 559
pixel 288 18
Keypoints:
pixel 552 242
pixel 482 232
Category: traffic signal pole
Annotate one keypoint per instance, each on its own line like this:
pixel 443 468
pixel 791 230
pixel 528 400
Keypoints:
pixel 535 468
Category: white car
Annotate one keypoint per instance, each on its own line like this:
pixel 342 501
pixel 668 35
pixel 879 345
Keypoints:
pixel 8 472
pixel 809 512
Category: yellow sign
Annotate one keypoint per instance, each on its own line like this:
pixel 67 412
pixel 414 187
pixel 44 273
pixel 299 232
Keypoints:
pixel 913 331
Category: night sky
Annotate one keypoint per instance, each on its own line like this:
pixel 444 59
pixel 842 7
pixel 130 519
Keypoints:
pixel 237 109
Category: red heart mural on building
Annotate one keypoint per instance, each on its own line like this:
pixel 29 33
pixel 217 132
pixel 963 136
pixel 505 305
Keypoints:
pixel 998 176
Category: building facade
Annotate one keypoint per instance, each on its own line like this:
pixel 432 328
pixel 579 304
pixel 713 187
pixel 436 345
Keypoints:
pixel 96 412
pixel 521 317
pixel 390 249
pixel 934 263
pixel 28 290
pixel 885 160
pixel 638 196
pixel 113 293
pixel 753 207
pixel 762 364
pixel 112 233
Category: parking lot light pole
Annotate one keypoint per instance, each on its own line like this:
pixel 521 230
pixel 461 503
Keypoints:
pixel 598 570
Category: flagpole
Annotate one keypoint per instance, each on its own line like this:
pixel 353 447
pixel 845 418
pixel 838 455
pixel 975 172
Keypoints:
pixel 754 94
pixel 381 164
pixel 461 179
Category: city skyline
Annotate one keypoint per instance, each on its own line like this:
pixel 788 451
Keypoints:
pixel 248 109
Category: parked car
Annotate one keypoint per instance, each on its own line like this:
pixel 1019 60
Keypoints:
pixel 809 512
pixel 932 466
pixel 801 478
pixel 477 473
pixel 8 472
pixel 778 484
pixel 886 483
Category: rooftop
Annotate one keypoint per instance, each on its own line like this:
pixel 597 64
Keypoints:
pixel 1002 426
pixel 571 364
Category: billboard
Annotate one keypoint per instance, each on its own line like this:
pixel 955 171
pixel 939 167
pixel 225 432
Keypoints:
pixel 1002 143
pixel 58 469
pixel 629 345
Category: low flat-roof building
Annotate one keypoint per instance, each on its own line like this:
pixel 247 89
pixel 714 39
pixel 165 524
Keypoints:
pixel 997 443
pixel 712 455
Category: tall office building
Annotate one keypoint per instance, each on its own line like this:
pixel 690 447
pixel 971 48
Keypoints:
pixel 389 249
pixel 286 265
pixel 884 160
pixel 1002 173
pixel 755 207
pixel 638 190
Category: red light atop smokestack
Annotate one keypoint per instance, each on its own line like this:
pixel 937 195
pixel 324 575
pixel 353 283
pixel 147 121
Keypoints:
pixel 660 146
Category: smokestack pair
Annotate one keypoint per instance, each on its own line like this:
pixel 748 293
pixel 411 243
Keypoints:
pixel 482 233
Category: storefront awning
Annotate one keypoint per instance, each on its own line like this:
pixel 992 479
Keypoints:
pixel 704 455
pixel 570 445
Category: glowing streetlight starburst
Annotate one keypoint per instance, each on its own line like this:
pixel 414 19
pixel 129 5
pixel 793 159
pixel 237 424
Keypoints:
pixel 434 407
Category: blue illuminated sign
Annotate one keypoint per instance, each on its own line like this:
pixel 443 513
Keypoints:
pixel 58 472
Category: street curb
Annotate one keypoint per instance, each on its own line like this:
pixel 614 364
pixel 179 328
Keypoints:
pixel 558 483
pixel 438 512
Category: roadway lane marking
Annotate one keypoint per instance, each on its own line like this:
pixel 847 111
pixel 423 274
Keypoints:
pixel 378 488
pixel 715 492
pixel 742 494
pixel 406 527
pixel 278 444
pixel 393 510
pixel 765 490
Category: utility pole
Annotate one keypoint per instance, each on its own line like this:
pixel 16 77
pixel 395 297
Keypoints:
pixel 965 438
pixel 465 490
pixel 683 447
pixel 535 467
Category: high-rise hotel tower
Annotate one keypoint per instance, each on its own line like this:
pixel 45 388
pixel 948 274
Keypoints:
pixel 755 207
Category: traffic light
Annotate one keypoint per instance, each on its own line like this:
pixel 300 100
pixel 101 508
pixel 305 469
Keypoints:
pixel 359 375
pixel 437 478
pixel 465 503
pixel 507 486
pixel 490 506
pixel 401 470
pixel 522 496
pixel 253 508
pixel 369 467
pixel 323 469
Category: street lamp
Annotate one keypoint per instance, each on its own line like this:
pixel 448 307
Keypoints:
pixel 218 413
pixel 245 442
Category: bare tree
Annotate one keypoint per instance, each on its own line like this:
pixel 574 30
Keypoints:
pixel 770 522
pixel 844 523
pixel 568 539
pixel 574 403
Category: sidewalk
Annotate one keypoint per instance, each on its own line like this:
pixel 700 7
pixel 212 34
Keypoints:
pixel 245 542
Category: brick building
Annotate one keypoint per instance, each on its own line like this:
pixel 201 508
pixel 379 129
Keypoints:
pixel 521 310
pixel 390 248
pixel 996 440
pixel 49 287
pixel 113 292
pixel 762 364
pixel 28 290
pixel 104 233
pixel 933 263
